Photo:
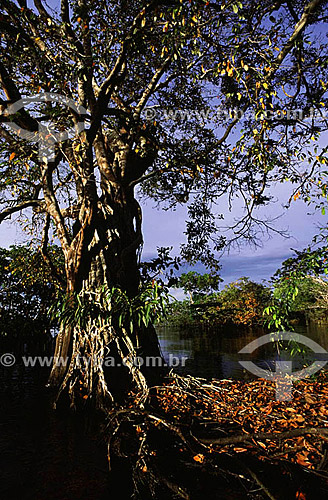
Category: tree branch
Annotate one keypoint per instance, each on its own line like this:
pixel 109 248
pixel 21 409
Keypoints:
pixel 42 11
pixel 314 431
pixel 17 208
pixel 109 83
pixel 13 95
pixel 152 84
pixel 52 206
pixel 45 254
pixel 300 26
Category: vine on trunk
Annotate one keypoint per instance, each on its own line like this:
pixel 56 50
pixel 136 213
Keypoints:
pixel 105 327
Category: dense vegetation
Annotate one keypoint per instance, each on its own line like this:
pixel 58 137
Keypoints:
pixel 245 303
pixel 28 289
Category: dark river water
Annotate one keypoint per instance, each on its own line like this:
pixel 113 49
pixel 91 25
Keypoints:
pixel 46 454
pixel 209 355
pixel 54 455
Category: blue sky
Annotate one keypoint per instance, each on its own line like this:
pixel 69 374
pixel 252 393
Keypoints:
pixel 166 228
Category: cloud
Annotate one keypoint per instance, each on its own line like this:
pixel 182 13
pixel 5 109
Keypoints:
pixel 166 228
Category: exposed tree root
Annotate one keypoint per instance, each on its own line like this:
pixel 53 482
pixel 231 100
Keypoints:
pixel 172 458
pixel 182 439
pixel 315 431
pixel 86 376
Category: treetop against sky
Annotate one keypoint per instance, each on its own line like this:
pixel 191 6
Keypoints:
pixel 137 68
pixel 129 67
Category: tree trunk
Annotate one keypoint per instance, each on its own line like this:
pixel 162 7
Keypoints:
pixel 107 254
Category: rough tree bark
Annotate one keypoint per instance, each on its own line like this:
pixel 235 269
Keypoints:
pixel 104 248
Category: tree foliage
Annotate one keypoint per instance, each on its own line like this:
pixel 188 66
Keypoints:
pixel 197 284
pixel 240 303
pixel 27 291
pixel 300 285
pixel 143 309
pixel 165 58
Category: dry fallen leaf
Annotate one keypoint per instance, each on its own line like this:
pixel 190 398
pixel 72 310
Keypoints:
pixel 309 399
pixel 302 459
pixel 300 495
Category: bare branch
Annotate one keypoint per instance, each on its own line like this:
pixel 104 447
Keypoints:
pixel 7 212
pixel 109 83
pixel 64 11
pixel 42 11
pixel 310 8
pixel 302 431
pixel 45 254
pixel 13 95
pixel 152 84
pixel 53 207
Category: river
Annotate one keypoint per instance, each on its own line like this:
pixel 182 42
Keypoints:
pixel 56 455
pixel 211 354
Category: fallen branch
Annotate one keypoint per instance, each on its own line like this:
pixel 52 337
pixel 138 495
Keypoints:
pixel 243 438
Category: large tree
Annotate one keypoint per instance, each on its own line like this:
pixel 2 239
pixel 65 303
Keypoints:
pixel 151 76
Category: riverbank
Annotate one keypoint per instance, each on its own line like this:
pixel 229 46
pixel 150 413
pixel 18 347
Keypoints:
pixel 227 439
pixel 192 439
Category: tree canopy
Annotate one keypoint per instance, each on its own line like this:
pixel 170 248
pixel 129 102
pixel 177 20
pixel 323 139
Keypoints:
pixel 198 284
pixel 152 76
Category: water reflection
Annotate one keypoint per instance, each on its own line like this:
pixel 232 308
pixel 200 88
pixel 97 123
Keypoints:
pixel 55 456
pixel 46 454
pixel 214 354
